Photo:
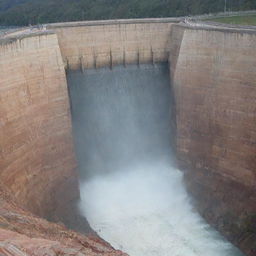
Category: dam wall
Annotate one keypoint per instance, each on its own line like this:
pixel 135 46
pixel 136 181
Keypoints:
pixel 213 73
pixel 213 79
pixel 96 44
pixel 37 162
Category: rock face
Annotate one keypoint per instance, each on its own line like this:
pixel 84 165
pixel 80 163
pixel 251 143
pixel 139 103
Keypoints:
pixel 24 234
pixel 213 75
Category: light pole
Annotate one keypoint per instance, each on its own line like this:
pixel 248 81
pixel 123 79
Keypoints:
pixel 225 6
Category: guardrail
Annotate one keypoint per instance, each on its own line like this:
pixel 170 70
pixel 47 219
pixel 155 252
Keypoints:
pixel 223 14
pixel 193 21
pixel 203 24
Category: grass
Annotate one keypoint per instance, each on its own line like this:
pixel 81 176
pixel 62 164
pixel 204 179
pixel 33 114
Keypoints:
pixel 238 20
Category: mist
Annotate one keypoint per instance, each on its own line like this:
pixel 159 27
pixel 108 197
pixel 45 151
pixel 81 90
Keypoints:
pixel 131 190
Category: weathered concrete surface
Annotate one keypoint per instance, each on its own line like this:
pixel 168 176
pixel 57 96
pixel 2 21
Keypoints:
pixel 107 43
pixel 37 161
pixel 214 78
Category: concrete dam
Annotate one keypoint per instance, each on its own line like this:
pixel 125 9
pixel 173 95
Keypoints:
pixel 145 128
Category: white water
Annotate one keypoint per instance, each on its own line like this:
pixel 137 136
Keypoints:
pixel 131 195
pixel 145 211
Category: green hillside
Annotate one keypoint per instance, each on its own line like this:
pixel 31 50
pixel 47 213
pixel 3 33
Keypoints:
pixel 241 20
pixel 24 12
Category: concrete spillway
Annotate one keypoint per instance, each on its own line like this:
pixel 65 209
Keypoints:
pixel 133 194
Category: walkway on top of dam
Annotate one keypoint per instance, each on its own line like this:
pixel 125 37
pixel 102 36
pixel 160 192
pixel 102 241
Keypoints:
pixel 198 21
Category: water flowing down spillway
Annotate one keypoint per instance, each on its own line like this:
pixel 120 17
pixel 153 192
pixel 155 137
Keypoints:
pixel 131 191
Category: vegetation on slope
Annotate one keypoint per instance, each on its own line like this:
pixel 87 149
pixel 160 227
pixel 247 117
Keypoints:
pixel 24 12
pixel 241 20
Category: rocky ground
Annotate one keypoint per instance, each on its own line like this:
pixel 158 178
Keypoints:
pixel 24 234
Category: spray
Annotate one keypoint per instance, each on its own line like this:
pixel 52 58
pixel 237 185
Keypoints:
pixel 131 191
